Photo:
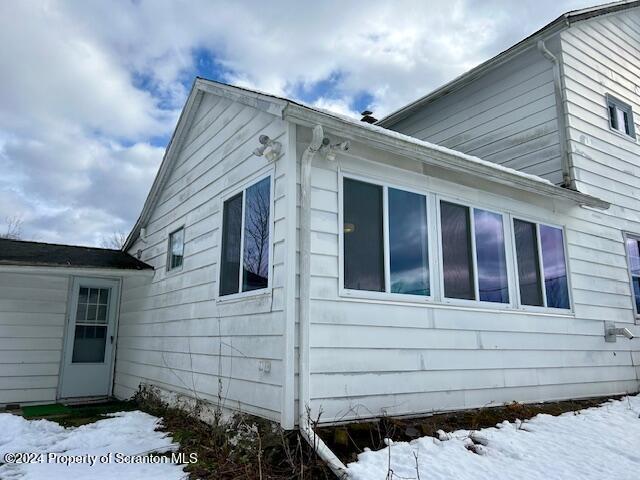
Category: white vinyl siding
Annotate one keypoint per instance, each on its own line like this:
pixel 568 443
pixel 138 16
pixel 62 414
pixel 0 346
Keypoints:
pixel 173 334
pixel 375 356
pixel 507 116
pixel 32 320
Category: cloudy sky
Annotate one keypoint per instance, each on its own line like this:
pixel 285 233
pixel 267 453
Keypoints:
pixel 90 91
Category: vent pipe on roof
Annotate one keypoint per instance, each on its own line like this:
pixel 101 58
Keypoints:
pixel 367 117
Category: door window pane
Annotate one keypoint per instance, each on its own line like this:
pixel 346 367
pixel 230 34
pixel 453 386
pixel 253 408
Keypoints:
pixel 490 256
pixel 456 251
pixel 176 249
pixel 230 256
pixel 363 237
pixel 408 245
pixel 555 267
pixel 255 273
pixel 92 318
pixel 528 263
pixel 633 253
pixel 89 344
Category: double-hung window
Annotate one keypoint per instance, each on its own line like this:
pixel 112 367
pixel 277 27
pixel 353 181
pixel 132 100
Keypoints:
pixel 633 257
pixel 385 239
pixel 542 267
pixel 244 258
pixel 621 116
pixel 176 249
pixel 474 265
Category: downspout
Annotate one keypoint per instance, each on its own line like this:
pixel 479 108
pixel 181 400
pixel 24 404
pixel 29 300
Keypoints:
pixel 306 429
pixel 568 178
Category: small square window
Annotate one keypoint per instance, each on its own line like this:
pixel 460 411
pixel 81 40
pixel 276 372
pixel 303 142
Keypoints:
pixel 176 249
pixel 621 117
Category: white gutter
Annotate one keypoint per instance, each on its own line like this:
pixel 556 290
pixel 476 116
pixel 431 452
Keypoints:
pixel 306 430
pixel 90 271
pixel 568 178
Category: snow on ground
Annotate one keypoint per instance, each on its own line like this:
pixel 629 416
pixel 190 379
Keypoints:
pixel 127 433
pixel 596 443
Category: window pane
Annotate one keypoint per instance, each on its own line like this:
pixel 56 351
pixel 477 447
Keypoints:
pixel 255 273
pixel 230 254
pixel 176 245
pixel 456 251
pixel 613 116
pixel 555 267
pixel 89 344
pixel 633 251
pixel 408 246
pixel 363 244
pixel 83 296
pixel 491 260
pixel 528 263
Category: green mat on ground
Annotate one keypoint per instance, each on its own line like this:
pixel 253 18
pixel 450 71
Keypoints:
pixel 45 410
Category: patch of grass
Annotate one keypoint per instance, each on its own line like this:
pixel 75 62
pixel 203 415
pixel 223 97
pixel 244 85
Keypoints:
pixel 248 447
pixel 40 411
pixel 83 414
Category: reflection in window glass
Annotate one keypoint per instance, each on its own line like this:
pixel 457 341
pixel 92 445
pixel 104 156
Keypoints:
pixel 633 253
pixel 408 246
pixel 555 267
pixel 490 256
pixel 176 249
pixel 255 274
pixel 363 240
pixel 230 255
pixel 528 263
pixel 456 251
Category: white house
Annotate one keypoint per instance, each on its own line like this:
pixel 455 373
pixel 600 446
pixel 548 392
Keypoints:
pixel 306 260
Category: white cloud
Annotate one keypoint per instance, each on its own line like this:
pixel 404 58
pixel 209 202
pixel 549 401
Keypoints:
pixel 86 86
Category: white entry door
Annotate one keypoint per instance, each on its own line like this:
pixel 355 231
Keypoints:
pixel 90 337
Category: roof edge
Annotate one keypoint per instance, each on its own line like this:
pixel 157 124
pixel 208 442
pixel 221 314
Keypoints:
pixel 552 28
pixel 438 156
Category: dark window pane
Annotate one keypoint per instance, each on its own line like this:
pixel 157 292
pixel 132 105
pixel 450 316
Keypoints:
pixel 491 260
pixel 230 254
pixel 363 244
pixel 93 295
pixel 408 246
pixel 255 273
pixel 456 251
pixel 176 249
pixel 83 296
pixel 528 263
pixel 636 292
pixel 613 116
pixel 555 267
pixel 89 344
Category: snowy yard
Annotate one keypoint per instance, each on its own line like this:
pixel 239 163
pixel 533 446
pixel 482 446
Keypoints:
pixel 127 436
pixel 596 443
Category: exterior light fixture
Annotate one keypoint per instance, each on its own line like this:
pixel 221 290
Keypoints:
pixel 269 149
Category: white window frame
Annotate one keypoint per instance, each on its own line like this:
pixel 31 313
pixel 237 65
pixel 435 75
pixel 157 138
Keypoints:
pixel 544 308
pixel 253 180
pixel 632 236
pixel 184 241
pixel 506 227
pixel 387 294
pixel 622 106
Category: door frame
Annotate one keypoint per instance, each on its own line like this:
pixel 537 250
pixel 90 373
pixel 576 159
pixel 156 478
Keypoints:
pixel 67 339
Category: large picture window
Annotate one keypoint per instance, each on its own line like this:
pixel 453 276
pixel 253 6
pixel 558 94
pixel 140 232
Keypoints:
pixel 473 254
pixel 244 259
pixel 542 266
pixel 633 257
pixel 391 259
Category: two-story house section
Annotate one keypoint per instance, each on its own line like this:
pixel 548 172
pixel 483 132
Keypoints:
pixel 563 104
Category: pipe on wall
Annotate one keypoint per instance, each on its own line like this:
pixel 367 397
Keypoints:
pixel 306 429
pixel 568 178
